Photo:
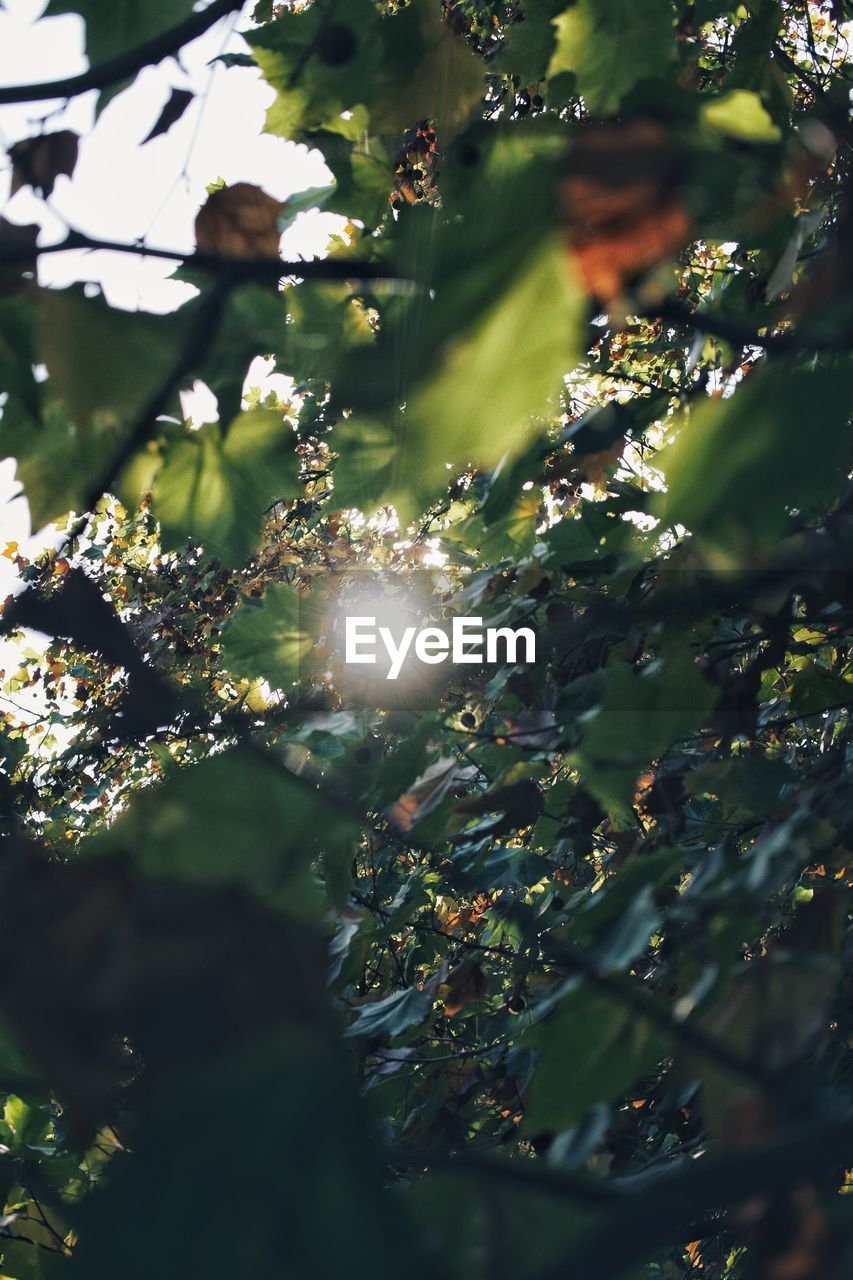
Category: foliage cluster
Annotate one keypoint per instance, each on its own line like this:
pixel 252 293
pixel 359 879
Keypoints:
pixel 537 973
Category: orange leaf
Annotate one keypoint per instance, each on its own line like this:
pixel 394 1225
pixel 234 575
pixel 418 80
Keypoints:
pixel 622 205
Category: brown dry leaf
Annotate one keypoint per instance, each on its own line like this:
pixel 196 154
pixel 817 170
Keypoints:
pixel 38 162
pixel 534 728
pixel 466 983
pixel 239 222
pixel 622 203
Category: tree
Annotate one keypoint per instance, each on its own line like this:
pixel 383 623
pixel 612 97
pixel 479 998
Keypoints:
pixel 299 978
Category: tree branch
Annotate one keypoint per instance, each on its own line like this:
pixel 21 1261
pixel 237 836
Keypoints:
pixel 200 335
pixel 240 269
pixel 198 339
pixel 525 1173
pixel 652 1208
pixel 629 993
pixel 666 1208
pixel 124 65
pixel 744 335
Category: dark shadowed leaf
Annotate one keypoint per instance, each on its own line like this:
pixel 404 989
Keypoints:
pixel 592 1050
pixel 734 488
pixel 38 162
pixel 176 105
pixel 396 1013
pixel 234 818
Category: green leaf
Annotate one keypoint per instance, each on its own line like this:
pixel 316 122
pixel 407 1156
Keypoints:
pixel 640 717
pixel 815 689
pixel 615 923
pixel 529 44
pixel 592 1049
pixel 395 1014
pixel 404 67
pixel 122 24
pixel 243 1121
pixel 428 72
pixel 520 347
pixel 18 347
pixel 254 323
pixel 513 536
pixel 611 47
pixel 235 818
pixel 781 441
pixel 708 10
pixel 16 1072
pixel 364 173
pixel 103 365
pixel 216 487
pixel 747 787
pixel 579 542
pixel 29 1123
pixel 741 114
pixel 319 63
pixel 269 638
pixel 117 26
pixel 497 869
pixel 23 1261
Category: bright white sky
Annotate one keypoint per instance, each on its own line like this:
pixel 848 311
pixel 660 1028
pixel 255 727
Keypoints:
pixel 123 191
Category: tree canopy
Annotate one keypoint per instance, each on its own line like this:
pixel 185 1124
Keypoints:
pixel 534 971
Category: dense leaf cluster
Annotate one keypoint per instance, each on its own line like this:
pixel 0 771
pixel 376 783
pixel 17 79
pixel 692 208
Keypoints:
pixel 533 972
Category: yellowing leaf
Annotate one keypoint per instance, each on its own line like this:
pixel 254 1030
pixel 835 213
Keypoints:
pixel 741 114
